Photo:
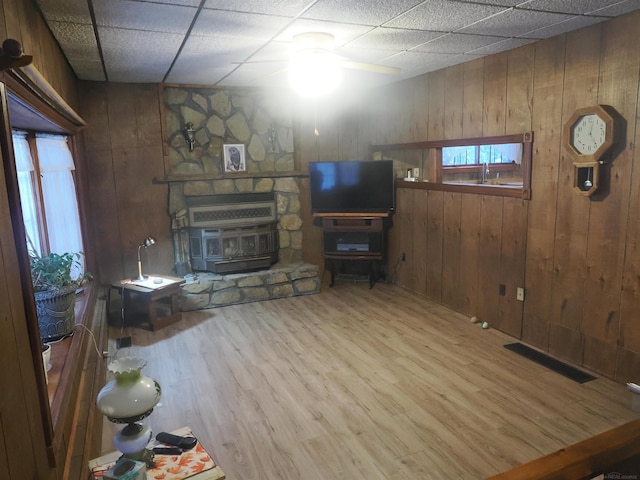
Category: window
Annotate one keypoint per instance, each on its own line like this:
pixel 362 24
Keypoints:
pixel 47 193
pixel 489 166
pixel 482 154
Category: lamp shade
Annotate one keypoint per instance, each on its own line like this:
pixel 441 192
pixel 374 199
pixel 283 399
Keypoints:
pixel 148 242
pixel 130 396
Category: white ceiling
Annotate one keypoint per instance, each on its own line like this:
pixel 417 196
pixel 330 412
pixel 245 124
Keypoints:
pixel 247 42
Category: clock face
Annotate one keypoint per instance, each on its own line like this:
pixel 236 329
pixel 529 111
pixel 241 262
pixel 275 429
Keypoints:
pixel 588 133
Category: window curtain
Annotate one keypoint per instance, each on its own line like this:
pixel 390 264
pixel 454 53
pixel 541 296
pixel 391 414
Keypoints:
pixel 24 166
pixel 59 194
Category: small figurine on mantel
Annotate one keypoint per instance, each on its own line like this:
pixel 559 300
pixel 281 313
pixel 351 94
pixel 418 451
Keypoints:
pixel 11 55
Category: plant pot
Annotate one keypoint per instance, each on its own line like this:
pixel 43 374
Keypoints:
pixel 56 312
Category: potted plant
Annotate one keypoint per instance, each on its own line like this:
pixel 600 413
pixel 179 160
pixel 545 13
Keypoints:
pixel 55 289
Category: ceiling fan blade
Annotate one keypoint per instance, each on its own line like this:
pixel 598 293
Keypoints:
pixel 371 67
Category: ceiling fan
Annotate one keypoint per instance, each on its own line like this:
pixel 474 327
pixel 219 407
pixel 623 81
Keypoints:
pixel 307 43
pixel 315 69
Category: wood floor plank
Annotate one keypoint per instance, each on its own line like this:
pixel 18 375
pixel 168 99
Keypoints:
pixel 361 384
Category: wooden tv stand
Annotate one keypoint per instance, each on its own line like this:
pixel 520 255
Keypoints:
pixel 353 237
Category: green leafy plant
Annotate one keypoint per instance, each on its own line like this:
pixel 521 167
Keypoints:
pixel 53 271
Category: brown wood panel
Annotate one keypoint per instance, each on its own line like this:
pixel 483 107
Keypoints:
pixel 629 337
pixel 599 356
pixel 435 232
pixel 348 136
pixel 102 190
pixel 495 94
pixel 419 278
pixel 608 217
pixel 420 111
pixel 437 88
pixel 12 19
pixel 453 108
pixel 311 230
pixel 519 99
pixel 572 225
pixel 512 264
pixel 469 253
pixel 401 126
pixel 566 343
pixel 452 295
pixel 473 98
pixel 628 365
pixel 546 123
pixel 403 237
pixel 328 134
pixel 489 260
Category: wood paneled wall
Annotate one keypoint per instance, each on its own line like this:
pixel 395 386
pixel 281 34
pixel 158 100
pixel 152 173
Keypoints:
pixel 124 148
pixel 23 453
pixel 577 257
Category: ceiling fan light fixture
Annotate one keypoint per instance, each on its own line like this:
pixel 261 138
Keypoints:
pixel 315 72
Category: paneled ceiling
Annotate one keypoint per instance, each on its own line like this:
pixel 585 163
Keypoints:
pixel 248 42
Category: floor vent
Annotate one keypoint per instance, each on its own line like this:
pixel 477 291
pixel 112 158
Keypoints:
pixel 551 363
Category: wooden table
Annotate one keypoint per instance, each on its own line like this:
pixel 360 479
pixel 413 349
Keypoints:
pixel 103 463
pixel 155 299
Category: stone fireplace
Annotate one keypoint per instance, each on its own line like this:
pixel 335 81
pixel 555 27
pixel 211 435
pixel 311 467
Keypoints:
pixel 214 238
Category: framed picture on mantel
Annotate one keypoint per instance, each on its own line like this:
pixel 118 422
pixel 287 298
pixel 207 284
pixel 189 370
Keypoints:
pixel 234 160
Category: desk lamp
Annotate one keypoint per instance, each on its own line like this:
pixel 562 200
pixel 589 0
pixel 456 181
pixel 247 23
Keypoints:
pixel 127 399
pixel 147 243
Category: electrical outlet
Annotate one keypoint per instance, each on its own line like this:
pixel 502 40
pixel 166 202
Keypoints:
pixel 520 294
pixel 416 172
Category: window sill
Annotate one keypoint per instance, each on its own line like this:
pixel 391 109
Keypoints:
pixel 495 190
pixel 66 354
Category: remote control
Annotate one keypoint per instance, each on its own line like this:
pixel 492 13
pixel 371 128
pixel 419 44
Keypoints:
pixel 167 451
pixel 185 443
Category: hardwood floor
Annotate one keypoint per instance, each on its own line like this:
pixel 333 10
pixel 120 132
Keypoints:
pixel 354 383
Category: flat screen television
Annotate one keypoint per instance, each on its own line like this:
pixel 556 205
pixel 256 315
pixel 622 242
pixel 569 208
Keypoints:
pixel 352 186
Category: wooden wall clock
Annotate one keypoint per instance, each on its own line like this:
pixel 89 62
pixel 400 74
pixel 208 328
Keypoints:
pixel 589 135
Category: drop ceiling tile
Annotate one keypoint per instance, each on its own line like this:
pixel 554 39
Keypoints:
pixel 457 43
pixel 76 39
pixel 215 56
pixel 343 32
pixel 567 26
pixel 506 44
pixel 514 23
pixel 368 55
pixel 136 55
pixel 443 15
pixel 247 75
pixel 186 3
pixel 385 38
pixel 149 16
pixel 219 23
pixel 578 7
pixel 90 70
pixel 499 3
pixel 201 76
pixel 374 14
pixel 438 65
pixel 411 60
pixel 620 8
pixel 65 10
pixel 286 8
